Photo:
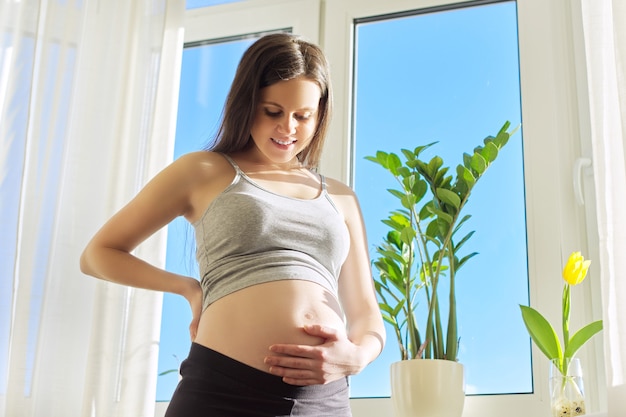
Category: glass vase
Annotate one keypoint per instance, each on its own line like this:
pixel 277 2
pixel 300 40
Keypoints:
pixel 567 395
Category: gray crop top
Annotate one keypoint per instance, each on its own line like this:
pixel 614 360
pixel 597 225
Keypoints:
pixel 249 235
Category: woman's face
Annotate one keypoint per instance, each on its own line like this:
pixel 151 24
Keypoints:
pixel 285 119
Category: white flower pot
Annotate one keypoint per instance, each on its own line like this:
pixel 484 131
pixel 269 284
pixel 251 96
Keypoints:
pixel 427 388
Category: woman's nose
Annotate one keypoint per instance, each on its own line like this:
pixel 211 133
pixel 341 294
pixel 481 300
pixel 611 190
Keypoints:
pixel 287 125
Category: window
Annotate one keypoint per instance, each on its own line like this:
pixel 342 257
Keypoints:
pixel 452 76
pixel 548 46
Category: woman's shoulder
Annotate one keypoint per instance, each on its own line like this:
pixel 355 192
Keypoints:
pixel 338 188
pixel 205 175
pixel 343 195
pixel 202 158
pixel 346 201
pixel 203 164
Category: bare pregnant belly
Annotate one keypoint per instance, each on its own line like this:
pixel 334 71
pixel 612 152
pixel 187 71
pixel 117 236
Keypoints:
pixel 244 324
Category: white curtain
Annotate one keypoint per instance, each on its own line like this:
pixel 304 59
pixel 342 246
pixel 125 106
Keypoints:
pixel 604 23
pixel 88 93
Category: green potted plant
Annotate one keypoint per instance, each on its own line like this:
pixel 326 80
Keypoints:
pixel 421 248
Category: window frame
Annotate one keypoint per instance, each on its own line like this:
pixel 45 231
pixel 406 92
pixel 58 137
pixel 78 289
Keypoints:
pixel 253 16
pixel 555 124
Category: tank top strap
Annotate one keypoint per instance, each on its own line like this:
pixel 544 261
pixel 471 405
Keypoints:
pixel 233 163
pixel 323 181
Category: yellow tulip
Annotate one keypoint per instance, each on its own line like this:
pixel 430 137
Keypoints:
pixel 576 268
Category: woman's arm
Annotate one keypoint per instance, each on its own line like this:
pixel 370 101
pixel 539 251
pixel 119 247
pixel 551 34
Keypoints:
pixel 169 195
pixel 356 286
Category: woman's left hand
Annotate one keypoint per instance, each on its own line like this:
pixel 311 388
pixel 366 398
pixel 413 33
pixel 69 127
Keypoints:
pixel 336 358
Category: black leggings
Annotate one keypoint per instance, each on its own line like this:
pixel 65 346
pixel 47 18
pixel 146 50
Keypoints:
pixel 214 385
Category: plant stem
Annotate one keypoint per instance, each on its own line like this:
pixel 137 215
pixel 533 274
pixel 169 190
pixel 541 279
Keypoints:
pixel 566 316
pixel 451 344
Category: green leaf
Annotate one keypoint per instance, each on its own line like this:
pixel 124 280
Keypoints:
pixel 393 163
pixel 408 201
pixel 581 337
pixel 426 211
pixel 410 156
pixel 462 241
pixel 461 187
pixel 467 158
pixel 434 165
pixel 460 263
pixel 399 307
pixel 393 237
pixel 404 171
pixel 442 215
pixel 466 175
pixel 394 224
pixel 461 222
pixel 371 158
pixel 490 152
pixel 433 231
pixel 386 308
pixel 409 182
pixel 449 197
pixel 478 164
pixel 381 158
pixel 420 166
pixel 503 136
pixel 419 189
pixel 441 180
pixel 394 256
pixel 396 193
pixel 407 235
pixel 541 332
pixel 419 149
pixel 169 371
pixel 444 227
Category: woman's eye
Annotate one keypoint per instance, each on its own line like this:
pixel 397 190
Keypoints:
pixel 272 113
pixel 305 116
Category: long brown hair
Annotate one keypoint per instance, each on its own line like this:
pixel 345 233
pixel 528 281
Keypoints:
pixel 273 58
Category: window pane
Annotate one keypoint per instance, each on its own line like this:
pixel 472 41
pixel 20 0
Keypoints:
pixel 206 74
pixel 451 76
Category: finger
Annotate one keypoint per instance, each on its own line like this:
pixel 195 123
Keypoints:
pixel 321 331
pixel 302 351
pixel 288 362
pixel 296 376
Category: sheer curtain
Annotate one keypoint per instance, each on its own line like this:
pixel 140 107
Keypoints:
pixel 604 24
pixel 88 93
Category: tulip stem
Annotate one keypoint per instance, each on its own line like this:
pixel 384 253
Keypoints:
pixel 566 316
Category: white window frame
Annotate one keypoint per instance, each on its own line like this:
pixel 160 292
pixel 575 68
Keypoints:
pixel 253 16
pixel 555 123
pixel 555 127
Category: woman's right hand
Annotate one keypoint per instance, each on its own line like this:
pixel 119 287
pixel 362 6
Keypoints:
pixel 194 296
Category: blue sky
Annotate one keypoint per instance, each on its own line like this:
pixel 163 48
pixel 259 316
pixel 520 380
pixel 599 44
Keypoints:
pixel 450 77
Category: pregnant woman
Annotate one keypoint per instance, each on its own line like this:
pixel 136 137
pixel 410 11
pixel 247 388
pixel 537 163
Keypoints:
pixel 285 308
